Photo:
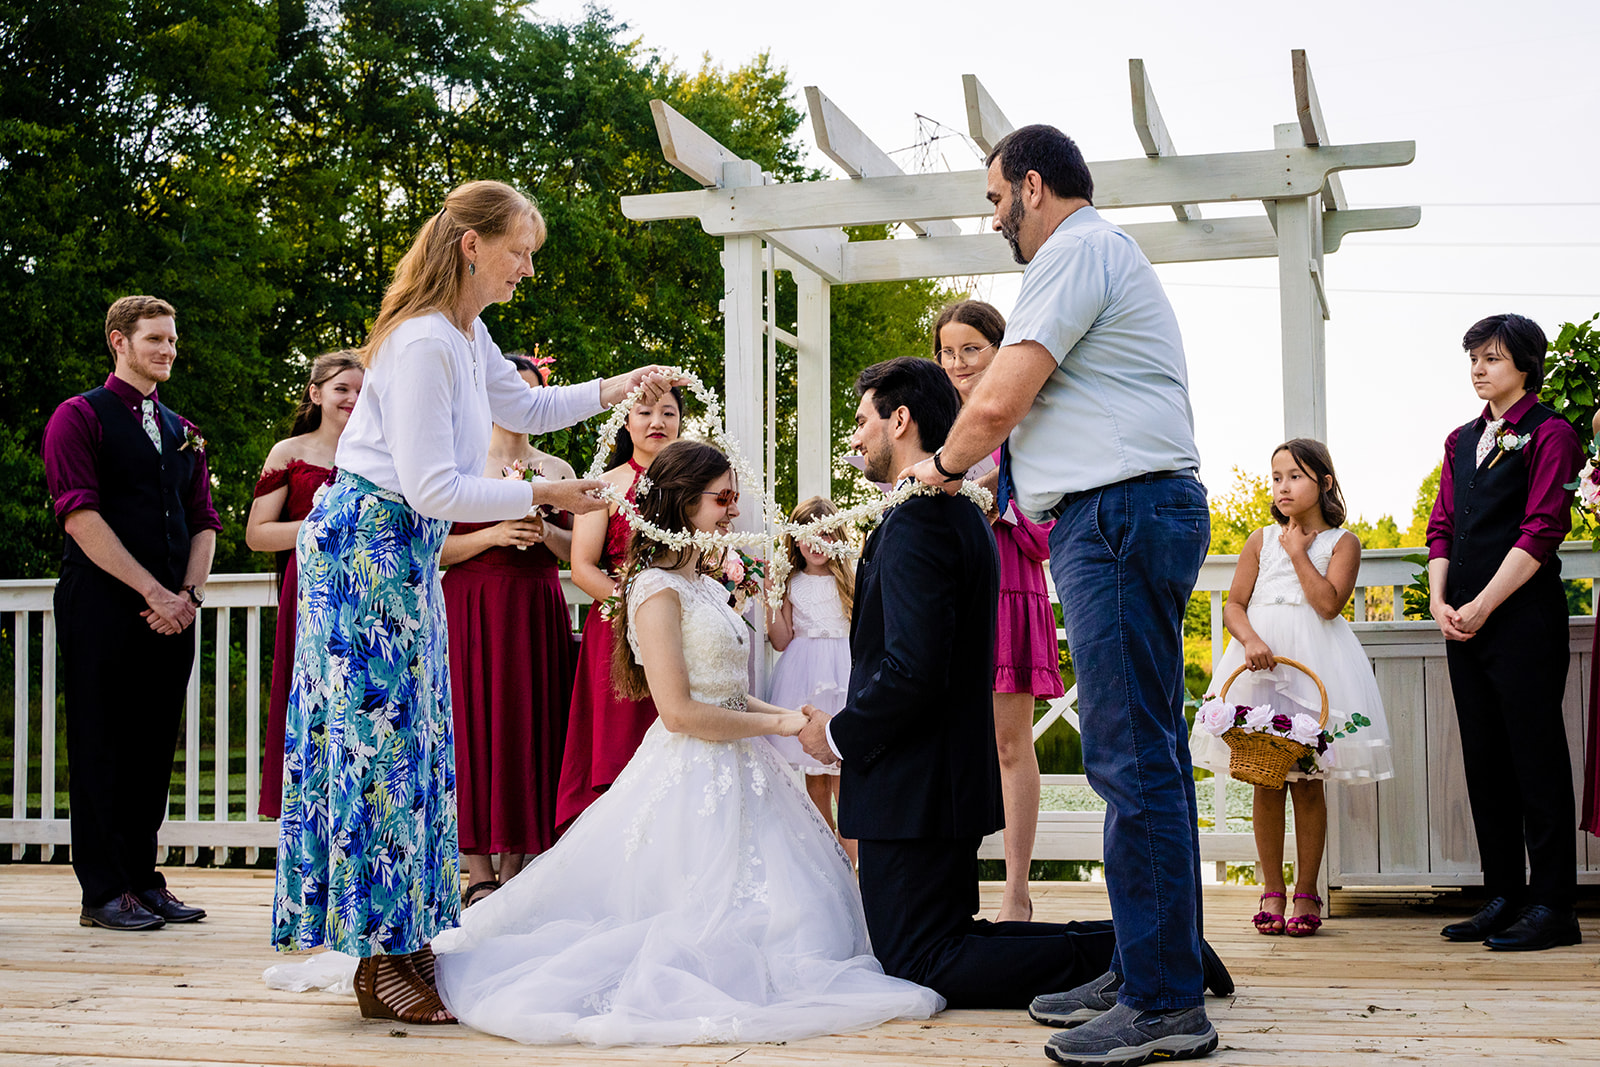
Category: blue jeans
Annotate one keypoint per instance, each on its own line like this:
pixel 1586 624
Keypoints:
pixel 1125 559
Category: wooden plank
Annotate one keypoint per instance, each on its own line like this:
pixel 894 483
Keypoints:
pixel 1452 846
pixel 1303 337
pixel 1403 800
pixel 688 147
pixel 1143 182
pixel 1152 129
pixel 985 121
pixel 842 141
pixel 817 250
pixel 813 388
pixel 1335 224
pixel 1313 130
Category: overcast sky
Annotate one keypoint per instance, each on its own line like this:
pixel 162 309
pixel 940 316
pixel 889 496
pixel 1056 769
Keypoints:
pixel 1502 100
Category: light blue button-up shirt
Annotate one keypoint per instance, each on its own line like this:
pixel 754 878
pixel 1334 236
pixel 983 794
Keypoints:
pixel 1117 404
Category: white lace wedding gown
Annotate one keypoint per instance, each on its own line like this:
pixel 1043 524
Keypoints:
pixel 701 899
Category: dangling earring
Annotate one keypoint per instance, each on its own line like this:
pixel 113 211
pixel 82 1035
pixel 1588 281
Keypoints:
pixel 472 268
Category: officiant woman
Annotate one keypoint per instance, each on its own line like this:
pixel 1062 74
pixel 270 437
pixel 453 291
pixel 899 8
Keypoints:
pixel 367 860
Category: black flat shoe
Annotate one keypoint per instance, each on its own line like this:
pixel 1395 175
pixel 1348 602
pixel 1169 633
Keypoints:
pixel 1493 917
pixel 121 913
pixel 163 903
pixel 1538 927
pixel 1219 983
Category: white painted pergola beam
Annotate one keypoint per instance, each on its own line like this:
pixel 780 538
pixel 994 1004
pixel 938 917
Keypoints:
pixel 1223 177
pixel 985 121
pixel 1152 129
pixel 859 156
pixel 1313 130
pixel 1249 237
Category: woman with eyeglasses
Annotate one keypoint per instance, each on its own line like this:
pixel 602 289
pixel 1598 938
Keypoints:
pixel 701 900
pixel 1027 658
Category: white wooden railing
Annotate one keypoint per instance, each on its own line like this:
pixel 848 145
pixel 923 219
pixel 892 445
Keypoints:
pixel 240 598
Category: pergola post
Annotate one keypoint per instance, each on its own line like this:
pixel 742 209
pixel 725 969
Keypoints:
pixel 1302 307
pixel 813 388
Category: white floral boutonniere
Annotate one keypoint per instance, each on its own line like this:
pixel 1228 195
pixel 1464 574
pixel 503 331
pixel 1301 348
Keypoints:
pixel 192 441
pixel 1508 441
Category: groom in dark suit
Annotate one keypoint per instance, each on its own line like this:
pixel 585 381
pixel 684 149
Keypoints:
pixel 920 781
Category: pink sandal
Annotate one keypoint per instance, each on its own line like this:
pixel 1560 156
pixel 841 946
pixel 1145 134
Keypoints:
pixel 1305 925
pixel 1267 922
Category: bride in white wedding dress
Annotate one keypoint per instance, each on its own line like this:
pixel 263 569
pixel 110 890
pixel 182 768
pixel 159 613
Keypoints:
pixel 701 899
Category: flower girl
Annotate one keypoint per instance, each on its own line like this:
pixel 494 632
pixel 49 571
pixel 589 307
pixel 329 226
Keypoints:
pixel 812 630
pixel 1288 594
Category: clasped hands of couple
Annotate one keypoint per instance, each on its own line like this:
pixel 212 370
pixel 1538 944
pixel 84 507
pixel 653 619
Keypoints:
pixel 582 495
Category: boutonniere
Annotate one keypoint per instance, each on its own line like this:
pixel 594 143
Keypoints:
pixel 192 440
pixel 1508 441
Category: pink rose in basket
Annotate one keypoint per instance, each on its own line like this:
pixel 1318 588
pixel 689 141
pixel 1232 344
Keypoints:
pixel 1215 717
pixel 1259 718
pixel 1305 729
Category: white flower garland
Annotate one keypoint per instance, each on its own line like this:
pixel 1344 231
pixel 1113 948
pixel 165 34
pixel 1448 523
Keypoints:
pixel 812 534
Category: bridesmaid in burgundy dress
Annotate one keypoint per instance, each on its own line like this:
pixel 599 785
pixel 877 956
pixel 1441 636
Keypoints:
pixel 1589 814
pixel 295 469
pixel 511 663
pixel 604 729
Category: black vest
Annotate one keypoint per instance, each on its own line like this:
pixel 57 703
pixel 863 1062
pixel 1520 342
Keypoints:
pixel 1491 501
pixel 142 493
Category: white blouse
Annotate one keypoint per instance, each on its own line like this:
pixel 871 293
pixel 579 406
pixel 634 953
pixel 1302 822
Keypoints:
pixel 421 425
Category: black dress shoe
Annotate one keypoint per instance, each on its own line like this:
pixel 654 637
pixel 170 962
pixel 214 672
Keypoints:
pixel 1218 981
pixel 121 913
pixel 1538 927
pixel 163 903
pixel 1493 917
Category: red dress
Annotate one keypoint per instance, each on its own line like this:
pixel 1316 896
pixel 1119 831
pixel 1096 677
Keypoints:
pixel 603 729
pixel 303 480
pixel 511 662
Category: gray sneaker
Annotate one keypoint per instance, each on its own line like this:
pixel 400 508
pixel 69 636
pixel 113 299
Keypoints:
pixel 1125 1037
pixel 1077 1006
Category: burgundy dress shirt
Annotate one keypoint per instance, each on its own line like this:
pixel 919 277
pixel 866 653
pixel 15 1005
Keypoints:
pixel 71 452
pixel 1553 456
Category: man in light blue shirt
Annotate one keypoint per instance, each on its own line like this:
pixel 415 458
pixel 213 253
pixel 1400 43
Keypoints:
pixel 1090 394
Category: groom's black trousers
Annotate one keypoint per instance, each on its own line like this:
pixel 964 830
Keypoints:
pixel 920 896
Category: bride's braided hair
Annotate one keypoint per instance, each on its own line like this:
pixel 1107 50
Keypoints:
pixel 680 472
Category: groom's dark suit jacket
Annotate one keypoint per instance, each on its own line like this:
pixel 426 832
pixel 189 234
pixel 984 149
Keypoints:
pixel 920 784
pixel 917 733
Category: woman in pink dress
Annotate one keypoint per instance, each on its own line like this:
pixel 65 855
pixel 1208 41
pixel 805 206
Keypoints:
pixel 1027 663
pixel 511 663
pixel 295 469
pixel 604 729
pixel 1589 814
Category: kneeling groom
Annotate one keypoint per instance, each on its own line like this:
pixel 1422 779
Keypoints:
pixel 920 781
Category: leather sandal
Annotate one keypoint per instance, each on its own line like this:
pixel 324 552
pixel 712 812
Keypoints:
pixel 1305 925
pixel 389 987
pixel 477 891
pixel 1269 922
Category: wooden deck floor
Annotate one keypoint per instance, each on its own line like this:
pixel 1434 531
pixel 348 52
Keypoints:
pixel 1377 986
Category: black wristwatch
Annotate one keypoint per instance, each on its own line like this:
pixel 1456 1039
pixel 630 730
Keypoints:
pixel 196 597
pixel 946 475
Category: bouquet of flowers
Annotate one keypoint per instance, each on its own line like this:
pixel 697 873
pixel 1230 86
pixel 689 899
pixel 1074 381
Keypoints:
pixel 1264 743
pixel 740 574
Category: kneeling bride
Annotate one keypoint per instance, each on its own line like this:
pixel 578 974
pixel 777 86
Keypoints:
pixel 702 898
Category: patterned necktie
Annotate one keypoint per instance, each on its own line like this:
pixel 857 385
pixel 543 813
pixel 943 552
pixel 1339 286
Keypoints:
pixel 1002 498
pixel 148 410
pixel 1486 442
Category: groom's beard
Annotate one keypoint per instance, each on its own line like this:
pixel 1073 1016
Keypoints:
pixel 878 461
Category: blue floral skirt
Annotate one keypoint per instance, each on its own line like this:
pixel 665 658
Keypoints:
pixel 367 859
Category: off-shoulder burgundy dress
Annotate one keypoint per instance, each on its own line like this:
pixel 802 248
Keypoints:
pixel 511 662
pixel 303 480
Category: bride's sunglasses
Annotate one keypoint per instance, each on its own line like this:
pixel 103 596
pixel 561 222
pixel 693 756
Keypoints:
pixel 723 497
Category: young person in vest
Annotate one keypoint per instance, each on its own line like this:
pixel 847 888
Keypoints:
pixel 1501 513
pixel 129 483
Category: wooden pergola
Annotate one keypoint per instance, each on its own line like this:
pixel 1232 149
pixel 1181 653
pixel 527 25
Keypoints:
pixel 769 226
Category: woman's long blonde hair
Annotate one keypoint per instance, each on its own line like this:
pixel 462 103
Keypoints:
pixel 432 272
pixel 843 575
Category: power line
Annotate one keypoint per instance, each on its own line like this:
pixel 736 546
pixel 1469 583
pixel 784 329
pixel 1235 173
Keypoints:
pixel 1396 292
pixel 1476 244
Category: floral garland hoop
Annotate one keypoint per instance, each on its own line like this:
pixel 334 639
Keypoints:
pixel 814 534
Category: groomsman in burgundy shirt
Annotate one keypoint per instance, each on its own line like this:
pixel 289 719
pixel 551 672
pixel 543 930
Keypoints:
pixel 130 485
